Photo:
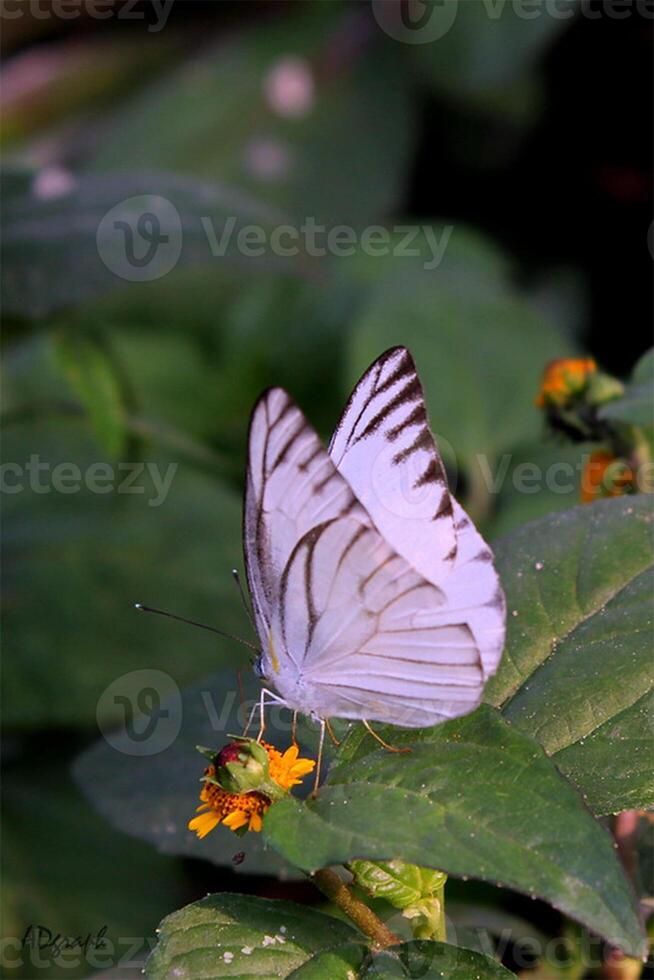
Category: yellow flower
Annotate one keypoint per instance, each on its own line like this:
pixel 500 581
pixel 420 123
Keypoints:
pixel 234 810
pixel 288 770
pixel 564 378
pixel 605 475
pixel 243 811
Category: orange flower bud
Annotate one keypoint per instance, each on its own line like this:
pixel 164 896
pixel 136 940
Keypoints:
pixel 564 378
pixel 605 475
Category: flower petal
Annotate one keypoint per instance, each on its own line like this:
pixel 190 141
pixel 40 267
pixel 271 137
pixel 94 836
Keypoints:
pixel 236 819
pixel 204 824
pixel 302 768
pixel 290 755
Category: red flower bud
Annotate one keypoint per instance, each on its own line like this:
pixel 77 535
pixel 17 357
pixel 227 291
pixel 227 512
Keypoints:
pixel 230 753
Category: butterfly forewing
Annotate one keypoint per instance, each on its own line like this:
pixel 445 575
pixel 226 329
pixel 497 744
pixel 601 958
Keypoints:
pixel 474 593
pixel 381 438
pixel 384 448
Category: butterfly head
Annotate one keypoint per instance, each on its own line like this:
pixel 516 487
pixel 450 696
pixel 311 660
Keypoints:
pixel 258 667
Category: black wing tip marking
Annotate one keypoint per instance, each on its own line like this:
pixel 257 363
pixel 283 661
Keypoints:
pixel 411 392
pixel 430 475
pixel 377 365
pixel 417 416
pixel 445 508
pixel 398 351
pixel 424 440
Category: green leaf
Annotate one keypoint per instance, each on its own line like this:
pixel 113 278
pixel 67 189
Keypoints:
pixel 644 367
pixel 60 251
pixel 636 406
pixel 433 961
pixel 576 672
pixel 242 133
pixel 337 964
pixel 475 797
pixel 243 936
pixel 416 891
pixel 83 550
pixel 397 882
pixel 86 75
pixel 483 50
pixel 612 766
pixel 212 396
pixel 92 376
pixel 532 481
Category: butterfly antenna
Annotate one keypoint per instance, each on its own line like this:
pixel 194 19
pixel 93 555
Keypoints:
pixel 191 622
pixel 237 579
pixel 241 689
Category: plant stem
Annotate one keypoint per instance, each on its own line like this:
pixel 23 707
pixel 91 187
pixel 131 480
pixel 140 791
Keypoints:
pixel 440 931
pixel 337 891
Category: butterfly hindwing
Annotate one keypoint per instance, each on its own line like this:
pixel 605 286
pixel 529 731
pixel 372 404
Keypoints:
pixel 358 634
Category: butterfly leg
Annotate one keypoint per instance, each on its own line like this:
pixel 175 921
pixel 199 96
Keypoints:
pixel 321 744
pixel 259 706
pixel 330 732
pixel 294 729
pixel 390 748
pixel 255 707
pixel 262 716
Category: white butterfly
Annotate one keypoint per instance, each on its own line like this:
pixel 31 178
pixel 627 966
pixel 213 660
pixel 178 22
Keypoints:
pixel 374 596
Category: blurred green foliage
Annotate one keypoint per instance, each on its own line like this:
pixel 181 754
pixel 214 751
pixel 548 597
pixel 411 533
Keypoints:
pixel 156 374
